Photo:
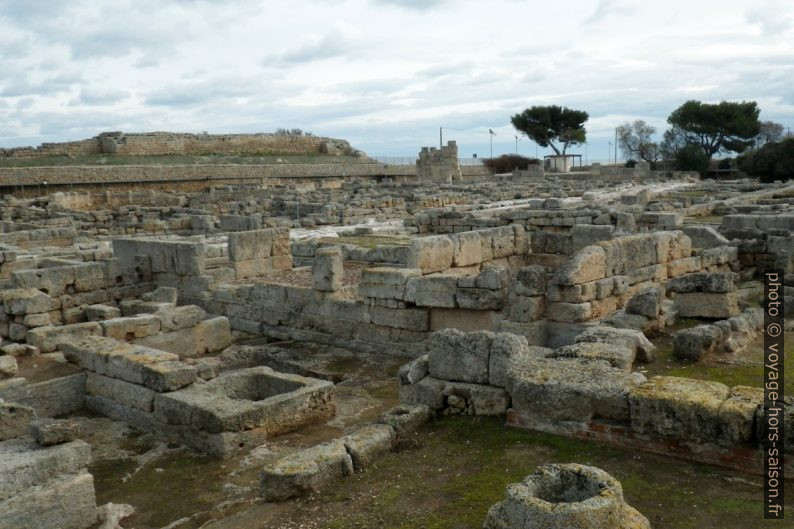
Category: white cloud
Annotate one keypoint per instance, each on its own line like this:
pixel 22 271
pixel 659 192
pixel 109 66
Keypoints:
pixel 384 74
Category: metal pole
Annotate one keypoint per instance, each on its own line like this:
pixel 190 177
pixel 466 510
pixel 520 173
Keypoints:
pixel 516 145
pixel 440 140
pixel 616 146
pixel 491 136
pixel 609 154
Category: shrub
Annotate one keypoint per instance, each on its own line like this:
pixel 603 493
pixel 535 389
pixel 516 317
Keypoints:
pixel 773 161
pixel 507 162
pixel 692 158
pixel 630 163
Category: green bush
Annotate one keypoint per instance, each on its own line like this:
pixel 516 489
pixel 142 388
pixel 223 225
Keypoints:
pixel 773 161
pixel 507 162
pixel 692 158
pixel 630 163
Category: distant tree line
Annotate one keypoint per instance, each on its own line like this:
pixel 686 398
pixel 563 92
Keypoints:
pixel 293 132
pixel 698 132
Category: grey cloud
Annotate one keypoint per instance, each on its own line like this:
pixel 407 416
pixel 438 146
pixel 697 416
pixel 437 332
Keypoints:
pixel 411 4
pixel 606 8
pixel 333 44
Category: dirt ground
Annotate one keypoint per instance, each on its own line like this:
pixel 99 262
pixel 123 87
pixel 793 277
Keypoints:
pixel 445 476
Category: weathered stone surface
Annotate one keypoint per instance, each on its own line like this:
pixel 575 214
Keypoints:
pixel 716 282
pixel 250 398
pixel 694 343
pixel 8 366
pixel 628 338
pixel 367 443
pixel 305 471
pixel 704 236
pixel 405 418
pixel 584 266
pixel 508 351
pixel 328 271
pixel 467 248
pixel 565 497
pixel 617 356
pixel 431 254
pixel 707 305
pixel 66 502
pixel 531 281
pixel 738 412
pixel 464 357
pixel 681 408
pixel 588 388
pixel 413 371
pixel 646 303
pixel 432 291
pixel 24 463
pixel 14 419
pixel 49 432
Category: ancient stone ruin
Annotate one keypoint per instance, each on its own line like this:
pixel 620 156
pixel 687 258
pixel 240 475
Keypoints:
pixel 295 332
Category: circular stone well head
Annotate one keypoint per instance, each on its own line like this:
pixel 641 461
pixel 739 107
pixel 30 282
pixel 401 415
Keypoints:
pixel 564 496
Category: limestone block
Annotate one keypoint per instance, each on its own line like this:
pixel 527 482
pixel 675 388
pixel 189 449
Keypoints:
pixel 569 312
pixel 646 303
pixel 476 399
pixel 386 283
pixel 704 236
pixel 154 369
pixel 8 366
pixel 429 392
pixel 624 254
pixel 305 471
pixel 630 339
pixel 508 351
pixel 432 291
pixel 467 248
pixel 162 294
pixel 131 327
pixel 584 266
pixel 100 312
pixel 525 309
pixel 47 339
pixel 182 317
pixel 14 419
pixel 480 298
pixel 405 418
pixel 89 276
pixel 328 271
pixel 719 256
pixel 531 281
pixel 411 319
pixel 587 234
pixel 588 388
pixel 464 357
pixel 28 301
pixel 617 356
pixel 48 432
pixel 521 238
pixel 24 463
pixel 367 443
pixel 66 502
pixel 717 282
pixel 212 335
pixel 679 267
pixel 503 241
pixel 738 412
pixel 692 344
pixel 707 305
pixel 413 371
pixel 431 254
pixel 52 281
pixel 132 395
pixel 681 408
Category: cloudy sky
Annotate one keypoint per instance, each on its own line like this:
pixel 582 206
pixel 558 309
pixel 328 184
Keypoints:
pixel 384 74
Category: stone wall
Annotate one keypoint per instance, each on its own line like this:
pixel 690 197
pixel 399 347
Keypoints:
pixel 169 143
pixel 439 165
pixel 212 173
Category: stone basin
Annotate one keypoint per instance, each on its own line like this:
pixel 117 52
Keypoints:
pixel 257 397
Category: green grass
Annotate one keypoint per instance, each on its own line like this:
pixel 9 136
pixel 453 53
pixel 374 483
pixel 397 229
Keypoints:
pixel 464 465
